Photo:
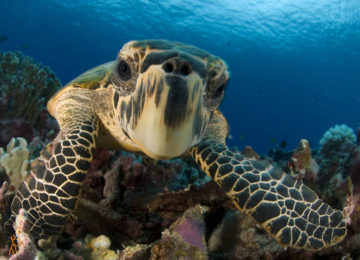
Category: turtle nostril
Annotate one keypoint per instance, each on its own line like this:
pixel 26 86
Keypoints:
pixel 185 69
pixel 168 67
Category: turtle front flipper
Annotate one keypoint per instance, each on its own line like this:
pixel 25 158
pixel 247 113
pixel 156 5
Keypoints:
pixel 285 207
pixel 51 188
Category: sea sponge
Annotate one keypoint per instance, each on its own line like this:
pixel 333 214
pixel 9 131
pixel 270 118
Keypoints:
pixel 25 86
pixel 15 160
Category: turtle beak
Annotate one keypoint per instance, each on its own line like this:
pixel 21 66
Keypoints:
pixel 173 117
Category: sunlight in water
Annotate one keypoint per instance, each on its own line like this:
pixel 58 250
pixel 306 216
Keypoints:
pixel 274 23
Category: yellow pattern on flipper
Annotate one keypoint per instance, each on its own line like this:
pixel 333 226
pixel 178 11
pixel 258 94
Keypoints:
pixel 285 207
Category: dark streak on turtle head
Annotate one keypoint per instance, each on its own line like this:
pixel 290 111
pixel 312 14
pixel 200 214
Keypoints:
pixel 177 100
pixel 165 93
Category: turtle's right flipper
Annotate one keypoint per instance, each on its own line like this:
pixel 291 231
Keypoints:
pixel 286 208
pixel 51 188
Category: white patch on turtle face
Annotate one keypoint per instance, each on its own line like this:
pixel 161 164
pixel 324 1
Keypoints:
pixel 162 123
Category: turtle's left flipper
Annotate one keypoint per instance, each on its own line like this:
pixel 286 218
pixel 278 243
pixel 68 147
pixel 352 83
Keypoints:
pixel 286 208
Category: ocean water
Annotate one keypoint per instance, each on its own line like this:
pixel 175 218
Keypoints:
pixel 295 64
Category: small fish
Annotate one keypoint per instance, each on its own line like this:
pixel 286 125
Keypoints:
pixel 3 38
pixel 273 141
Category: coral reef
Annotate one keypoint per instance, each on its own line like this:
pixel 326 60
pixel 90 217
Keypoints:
pixel 239 237
pixel 25 87
pixel 335 157
pixel 26 247
pixel 136 198
pixel 94 248
pixel 338 139
pixel 337 178
pixel 148 209
pixel 185 238
pixel 23 247
pixel 325 170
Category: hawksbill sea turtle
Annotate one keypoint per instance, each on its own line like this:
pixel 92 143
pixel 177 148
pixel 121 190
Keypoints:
pixel 161 98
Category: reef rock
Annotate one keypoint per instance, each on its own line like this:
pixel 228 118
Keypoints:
pixel 184 239
pixel 137 252
pixel 240 237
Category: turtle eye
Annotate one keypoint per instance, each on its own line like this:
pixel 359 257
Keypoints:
pixel 124 70
pixel 218 92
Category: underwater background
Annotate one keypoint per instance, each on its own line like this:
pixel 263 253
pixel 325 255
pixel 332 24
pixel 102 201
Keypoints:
pixel 295 73
pixel 295 65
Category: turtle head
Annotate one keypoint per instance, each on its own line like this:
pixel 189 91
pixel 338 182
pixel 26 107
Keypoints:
pixel 165 94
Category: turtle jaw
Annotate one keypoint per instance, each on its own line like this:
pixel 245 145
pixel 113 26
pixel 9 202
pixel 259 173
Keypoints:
pixel 170 116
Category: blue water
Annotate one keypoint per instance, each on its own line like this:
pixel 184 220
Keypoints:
pixel 295 63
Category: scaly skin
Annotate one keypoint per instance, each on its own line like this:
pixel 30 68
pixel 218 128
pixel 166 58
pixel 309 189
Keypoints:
pixel 285 207
pixel 51 189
